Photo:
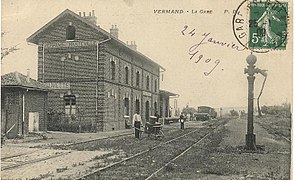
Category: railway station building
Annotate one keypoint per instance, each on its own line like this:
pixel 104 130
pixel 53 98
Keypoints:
pixel 93 75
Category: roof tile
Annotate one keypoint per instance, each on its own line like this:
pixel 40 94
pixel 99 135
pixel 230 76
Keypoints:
pixel 20 80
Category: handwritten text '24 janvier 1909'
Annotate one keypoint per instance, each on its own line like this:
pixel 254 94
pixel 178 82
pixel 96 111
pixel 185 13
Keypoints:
pixel 194 53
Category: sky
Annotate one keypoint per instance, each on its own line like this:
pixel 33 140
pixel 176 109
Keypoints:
pixel 166 39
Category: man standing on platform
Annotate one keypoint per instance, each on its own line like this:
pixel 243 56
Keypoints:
pixel 136 121
pixel 181 120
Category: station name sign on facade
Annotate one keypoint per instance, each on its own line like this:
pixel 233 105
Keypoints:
pixel 69 44
pixel 58 85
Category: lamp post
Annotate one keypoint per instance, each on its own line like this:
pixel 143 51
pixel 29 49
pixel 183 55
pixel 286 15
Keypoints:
pixel 250 136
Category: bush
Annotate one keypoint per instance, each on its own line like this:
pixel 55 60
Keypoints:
pixel 281 111
pixel 234 113
pixel 57 121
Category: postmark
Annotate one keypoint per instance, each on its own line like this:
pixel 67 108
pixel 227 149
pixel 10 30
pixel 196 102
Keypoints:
pixel 261 26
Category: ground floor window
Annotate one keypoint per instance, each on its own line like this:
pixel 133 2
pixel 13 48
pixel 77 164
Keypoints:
pixel 147 110
pixel 70 104
pixel 137 106
pixel 126 106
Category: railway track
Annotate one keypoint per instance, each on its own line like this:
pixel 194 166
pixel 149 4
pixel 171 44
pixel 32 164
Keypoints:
pixel 274 132
pixel 176 157
pixel 148 159
pixel 17 155
pixel 287 139
pixel 97 139
pixel 19 164
pixel 85 143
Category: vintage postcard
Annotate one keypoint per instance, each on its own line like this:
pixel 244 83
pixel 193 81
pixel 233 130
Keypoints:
pixel 152 89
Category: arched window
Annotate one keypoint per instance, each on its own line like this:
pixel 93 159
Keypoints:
pixel 113 70
pixel 137 78
pixel 126 75
pixel 147 82
pixel 126 106
pixel 70 32
pixel 156 86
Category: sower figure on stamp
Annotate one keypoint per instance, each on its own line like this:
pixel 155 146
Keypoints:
pixel 181 120
pixel 136 121
pixel 265 23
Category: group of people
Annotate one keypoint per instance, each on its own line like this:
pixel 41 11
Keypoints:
pixel 137 122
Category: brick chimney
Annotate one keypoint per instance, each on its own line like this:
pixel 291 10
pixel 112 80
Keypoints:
pixel 114 31
pixel 91 18
pixel 132 45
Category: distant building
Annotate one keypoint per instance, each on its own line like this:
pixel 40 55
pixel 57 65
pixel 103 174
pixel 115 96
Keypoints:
pixel 23 105
pixel 165 109
pixel 92 71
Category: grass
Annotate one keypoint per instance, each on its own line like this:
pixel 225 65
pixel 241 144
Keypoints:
pixel 276 125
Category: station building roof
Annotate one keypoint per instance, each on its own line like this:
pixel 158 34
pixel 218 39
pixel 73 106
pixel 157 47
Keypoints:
pixel 16 79
pixel 167 93
pixel 34 38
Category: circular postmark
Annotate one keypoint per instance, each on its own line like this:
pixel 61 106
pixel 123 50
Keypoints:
pixel 261 26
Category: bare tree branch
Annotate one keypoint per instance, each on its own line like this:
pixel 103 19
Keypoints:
pixel 7 51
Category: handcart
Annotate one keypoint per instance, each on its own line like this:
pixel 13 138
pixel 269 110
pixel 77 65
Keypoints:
pixel 153 128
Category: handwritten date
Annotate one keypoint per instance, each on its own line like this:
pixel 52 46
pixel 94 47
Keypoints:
pixel 194 53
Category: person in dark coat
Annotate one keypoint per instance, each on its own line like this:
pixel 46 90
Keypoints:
pixel 181 120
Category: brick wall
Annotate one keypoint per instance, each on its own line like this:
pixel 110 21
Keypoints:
pixel 36 101
pixel 77 65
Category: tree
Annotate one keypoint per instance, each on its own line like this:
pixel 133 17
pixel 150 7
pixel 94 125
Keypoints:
pixel 283 110
pixel 234 113
pixel 189 110
pixel 5 51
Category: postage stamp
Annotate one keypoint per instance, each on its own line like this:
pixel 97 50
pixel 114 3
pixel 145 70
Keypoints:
pixel 268 25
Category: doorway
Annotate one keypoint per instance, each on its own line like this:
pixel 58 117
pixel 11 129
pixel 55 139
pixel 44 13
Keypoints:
pixel 33 121
pixel 147 111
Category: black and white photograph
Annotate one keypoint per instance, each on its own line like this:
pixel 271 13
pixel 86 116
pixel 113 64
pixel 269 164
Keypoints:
pixel 150 89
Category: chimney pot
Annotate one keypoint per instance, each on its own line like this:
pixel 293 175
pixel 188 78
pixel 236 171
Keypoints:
pixel 93 13
pixel 127 42
pixel 84 14
pixel 89 13
pixel 114 31
pixel 132 45
pixel 79 13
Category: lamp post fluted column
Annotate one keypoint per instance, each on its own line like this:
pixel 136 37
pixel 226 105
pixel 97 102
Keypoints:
pixel 250 70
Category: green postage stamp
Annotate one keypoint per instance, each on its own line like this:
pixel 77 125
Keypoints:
pixel 268 25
